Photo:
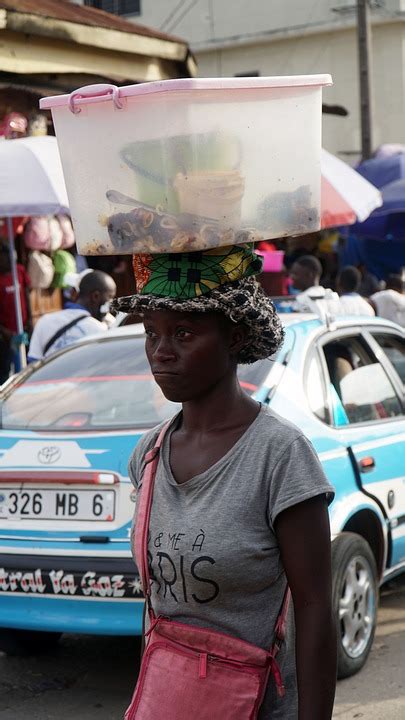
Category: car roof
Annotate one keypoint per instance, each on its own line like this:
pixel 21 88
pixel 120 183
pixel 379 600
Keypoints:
pixel 341 321
pixel 135 329
pixel 307 321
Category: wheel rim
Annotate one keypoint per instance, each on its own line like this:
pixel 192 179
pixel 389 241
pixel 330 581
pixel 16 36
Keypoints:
pixel 357 607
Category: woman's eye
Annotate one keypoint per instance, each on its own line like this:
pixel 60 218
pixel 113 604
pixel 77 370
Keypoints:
pixel 150 333
pixel 182 333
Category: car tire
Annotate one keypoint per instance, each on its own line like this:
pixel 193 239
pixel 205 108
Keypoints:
pixel 27 642
pixel 355 601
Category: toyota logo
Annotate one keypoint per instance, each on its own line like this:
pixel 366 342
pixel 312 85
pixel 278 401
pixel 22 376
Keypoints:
pixel 49 455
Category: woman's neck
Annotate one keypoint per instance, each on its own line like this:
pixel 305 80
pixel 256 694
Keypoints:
pixel 226 405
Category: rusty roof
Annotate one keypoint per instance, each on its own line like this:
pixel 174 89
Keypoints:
pixel 83 15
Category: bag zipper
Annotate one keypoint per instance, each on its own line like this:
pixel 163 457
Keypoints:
pixel 274 667
pixel 269 656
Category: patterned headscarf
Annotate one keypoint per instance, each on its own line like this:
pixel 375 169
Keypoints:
pixel 192 274
pixel 212 281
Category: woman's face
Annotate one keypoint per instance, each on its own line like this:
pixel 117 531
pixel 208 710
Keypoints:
pixel 189 353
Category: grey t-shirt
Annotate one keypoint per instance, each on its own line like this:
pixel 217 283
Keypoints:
pixel 214 557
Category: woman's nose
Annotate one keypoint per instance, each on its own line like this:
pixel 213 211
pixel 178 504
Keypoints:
pixel 164 350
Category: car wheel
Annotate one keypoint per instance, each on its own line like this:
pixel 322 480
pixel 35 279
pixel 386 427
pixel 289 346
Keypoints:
pixel 27 642
pixel 355 600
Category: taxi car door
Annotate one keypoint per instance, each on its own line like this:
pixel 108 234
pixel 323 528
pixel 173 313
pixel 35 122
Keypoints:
pixel 368 402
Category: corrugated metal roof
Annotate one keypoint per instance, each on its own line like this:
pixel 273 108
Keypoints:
pixel 69 12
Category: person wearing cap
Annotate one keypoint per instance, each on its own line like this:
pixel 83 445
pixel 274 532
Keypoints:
pixel 71 291
pixel 240 502
pixel 79 318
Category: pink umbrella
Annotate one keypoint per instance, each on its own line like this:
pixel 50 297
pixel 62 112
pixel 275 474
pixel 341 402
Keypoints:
pixel 346 197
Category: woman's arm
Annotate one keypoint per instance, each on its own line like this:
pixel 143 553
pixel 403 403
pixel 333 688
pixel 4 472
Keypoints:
pixel 304 537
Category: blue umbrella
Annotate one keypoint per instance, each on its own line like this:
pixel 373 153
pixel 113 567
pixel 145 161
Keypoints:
pixel 388 221
pixel 383 170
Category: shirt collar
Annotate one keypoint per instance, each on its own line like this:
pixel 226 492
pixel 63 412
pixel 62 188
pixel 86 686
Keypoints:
pixel 69 305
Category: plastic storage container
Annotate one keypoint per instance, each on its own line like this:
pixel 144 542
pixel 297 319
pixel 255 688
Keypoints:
pixel 188 164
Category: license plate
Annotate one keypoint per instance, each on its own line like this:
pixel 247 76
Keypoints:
pixel 53 504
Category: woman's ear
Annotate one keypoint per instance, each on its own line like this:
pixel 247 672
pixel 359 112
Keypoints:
pixel 238 338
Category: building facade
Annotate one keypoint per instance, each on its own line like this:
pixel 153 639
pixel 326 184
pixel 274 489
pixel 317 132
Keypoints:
pixel 269 37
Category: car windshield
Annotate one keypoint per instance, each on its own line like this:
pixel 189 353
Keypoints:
pixel 97 385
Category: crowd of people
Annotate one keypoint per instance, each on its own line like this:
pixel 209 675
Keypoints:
pixel 86 304
pixel 85 311
pixel 388 301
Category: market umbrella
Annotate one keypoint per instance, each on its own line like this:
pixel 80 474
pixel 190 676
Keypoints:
pixel 388 221
pixel 383 169
pixel 346 197
pixel 31 183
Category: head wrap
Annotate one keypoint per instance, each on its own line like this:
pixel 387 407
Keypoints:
pixel 192 274
pixel 217 280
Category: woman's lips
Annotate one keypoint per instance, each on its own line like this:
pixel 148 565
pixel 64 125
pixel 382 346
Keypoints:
pixel 164 374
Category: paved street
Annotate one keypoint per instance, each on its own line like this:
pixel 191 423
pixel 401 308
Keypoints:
pixel 89 678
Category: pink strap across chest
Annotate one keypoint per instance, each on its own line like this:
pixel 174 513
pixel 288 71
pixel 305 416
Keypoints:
pixel 144 500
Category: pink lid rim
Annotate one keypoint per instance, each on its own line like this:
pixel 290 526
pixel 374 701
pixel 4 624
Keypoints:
pixel 81 97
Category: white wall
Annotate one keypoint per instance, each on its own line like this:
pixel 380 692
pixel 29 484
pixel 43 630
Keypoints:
pixel 243 36
pixel 215 21
pixel 335 53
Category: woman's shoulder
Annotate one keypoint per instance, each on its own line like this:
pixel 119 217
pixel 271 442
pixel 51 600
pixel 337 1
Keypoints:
pixel 146 442
pixel 277 430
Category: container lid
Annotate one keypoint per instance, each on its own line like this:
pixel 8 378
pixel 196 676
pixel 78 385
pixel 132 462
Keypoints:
pixel 102 92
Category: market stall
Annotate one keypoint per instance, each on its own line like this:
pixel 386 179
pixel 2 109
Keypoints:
pixel 31 184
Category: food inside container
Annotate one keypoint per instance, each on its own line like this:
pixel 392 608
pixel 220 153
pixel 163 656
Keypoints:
pixel 152 228
pixel 217 195
pixel 188 210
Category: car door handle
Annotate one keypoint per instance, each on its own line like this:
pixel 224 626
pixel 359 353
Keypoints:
pixel 366 464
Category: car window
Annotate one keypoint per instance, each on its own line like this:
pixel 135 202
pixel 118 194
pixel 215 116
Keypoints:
pixel 316 391
pixel 89 386
pixel 359 383
pixel 394 348
pixel 105 384
pixel 252 376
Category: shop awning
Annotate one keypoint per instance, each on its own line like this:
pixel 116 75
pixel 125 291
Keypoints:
pixel 44 37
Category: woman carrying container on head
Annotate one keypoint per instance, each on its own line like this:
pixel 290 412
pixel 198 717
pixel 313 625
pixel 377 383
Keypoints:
pixel 239 506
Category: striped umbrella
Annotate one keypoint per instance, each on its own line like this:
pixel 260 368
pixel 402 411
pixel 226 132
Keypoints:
pixel 346 197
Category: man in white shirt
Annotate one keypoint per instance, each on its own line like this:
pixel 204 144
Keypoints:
pixel 390 303
pixel 306 275
pixel 80 318
pixel 348 285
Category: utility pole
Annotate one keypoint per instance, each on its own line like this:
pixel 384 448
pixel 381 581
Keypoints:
pixel 365 58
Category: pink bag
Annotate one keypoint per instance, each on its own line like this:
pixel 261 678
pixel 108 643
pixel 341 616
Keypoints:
pixel 191 672
pixel 43 233
pixel 68 237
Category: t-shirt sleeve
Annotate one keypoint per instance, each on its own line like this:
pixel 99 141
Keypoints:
pixel 136 463
pixel 297 476
pixel 134 468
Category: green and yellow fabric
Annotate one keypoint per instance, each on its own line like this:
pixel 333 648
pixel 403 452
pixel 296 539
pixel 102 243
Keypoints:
pixel 190 275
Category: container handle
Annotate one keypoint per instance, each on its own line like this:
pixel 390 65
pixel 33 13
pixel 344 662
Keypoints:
pixel 91 91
